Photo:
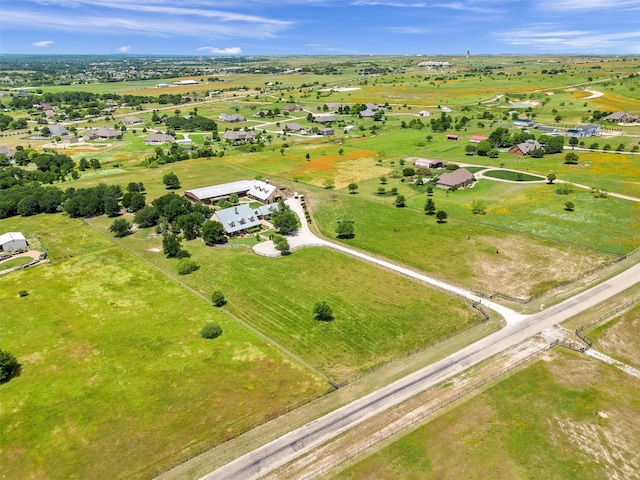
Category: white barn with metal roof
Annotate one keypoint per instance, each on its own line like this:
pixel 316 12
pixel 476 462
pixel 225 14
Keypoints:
pixel 262 191
pixel 12 241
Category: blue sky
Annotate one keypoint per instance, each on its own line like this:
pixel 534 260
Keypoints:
pixel 326 27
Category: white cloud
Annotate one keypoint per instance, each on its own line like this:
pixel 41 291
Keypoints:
pixel 224 26
pixel 548 38
pixel 407 30
pixel 124 49
pixel 589 5
pixel 222 51
pixel 43 43
pixel 373 3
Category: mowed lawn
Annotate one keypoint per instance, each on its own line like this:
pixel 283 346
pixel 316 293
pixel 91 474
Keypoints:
pixel 569 417
pixel 116 381
pixel 377 314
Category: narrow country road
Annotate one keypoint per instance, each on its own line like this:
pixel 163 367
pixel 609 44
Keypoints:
pixel 286 448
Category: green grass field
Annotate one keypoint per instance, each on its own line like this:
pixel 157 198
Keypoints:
pixel 460 251
pixel 116 380
pixel 378 314
pixel 566 418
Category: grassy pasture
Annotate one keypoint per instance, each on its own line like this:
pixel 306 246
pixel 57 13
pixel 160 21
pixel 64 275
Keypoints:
pixel 611 224
pixel 619 338
pixel 444 251
pixel 378 315
pixel 568 417
pixel 14 262
pixel 115 376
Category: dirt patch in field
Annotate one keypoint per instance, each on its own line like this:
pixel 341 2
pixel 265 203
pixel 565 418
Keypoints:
pixel 613 446
pixel 501 266
pixel 621 339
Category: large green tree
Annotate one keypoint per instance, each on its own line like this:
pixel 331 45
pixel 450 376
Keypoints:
pixel 213 232
pixel 345 228
pixel 120 227
pixel 429 207
pixel 171 244
pixel 286 221
pixel 171 181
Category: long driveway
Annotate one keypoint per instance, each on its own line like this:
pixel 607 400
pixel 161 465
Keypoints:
pixel 519 327
pixel 304 237
pixel 286 448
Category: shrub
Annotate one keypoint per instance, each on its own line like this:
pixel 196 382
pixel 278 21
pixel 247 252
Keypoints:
pixel 322 311
pixel 23 293
pixel 9 366
pixel 186 266
pixel 217 298
pixel 211 330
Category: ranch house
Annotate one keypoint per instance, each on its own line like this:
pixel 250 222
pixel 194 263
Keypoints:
pixel 525 148
pixel 240 218
pixel 459 178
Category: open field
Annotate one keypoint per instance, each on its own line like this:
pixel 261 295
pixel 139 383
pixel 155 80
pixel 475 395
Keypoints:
pixel 115 376
pixel 619 338
pixel 378 315
pixel 117 382
pixel 489 260
pixel 567 416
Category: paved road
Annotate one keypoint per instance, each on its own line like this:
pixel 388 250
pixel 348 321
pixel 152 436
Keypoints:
pixel 286 448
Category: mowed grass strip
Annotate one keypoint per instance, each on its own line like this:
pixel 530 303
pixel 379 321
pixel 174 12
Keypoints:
pixel 466 253
pixel 566 418
pixel 116 381
pixel 378 315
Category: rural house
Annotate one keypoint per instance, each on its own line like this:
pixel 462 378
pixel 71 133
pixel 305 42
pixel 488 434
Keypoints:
pixel 525 148
pixel 242 217
pixel 238 136
pixel 12 241
pixel 459 178
pixel 478 139
pixel 8 151
pixel 325 119
pixel 622 117
pixel 57 131
pixel 523 122
pixel 292 127
pixel 232 118
pixel 584 131
pixel 101 133
pixel 159 139
pixel 325 131
pixel 132 121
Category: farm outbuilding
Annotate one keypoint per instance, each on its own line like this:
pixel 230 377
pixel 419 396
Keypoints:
pixel 428 163
pixel 256 189
pixel 12 241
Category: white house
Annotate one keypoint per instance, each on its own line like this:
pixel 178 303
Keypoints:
pixel 12 241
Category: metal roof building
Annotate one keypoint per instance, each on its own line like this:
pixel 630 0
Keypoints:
pixel 12 241
pixel 237 219
pixel 257 189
